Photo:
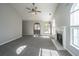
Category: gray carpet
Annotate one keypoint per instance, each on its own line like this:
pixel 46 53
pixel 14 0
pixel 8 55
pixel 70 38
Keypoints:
pixel 30 46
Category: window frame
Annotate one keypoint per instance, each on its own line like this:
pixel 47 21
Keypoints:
pixel 72 27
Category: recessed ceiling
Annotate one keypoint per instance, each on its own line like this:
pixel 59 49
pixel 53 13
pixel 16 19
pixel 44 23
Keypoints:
pixel 47 11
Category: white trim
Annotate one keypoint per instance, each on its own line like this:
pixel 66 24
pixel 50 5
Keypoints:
pixel 75 46
pixel 64 37
pixel 14 38
pixel 70 52
pixel 57 45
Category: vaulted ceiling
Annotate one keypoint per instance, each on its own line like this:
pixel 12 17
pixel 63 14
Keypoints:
pixel 46 8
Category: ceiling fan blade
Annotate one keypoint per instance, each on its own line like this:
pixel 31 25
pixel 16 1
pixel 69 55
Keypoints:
pixel 30 12
pixel 28 8
pixel 38 11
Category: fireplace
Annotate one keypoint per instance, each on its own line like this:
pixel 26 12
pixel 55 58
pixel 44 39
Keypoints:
pixel 59 38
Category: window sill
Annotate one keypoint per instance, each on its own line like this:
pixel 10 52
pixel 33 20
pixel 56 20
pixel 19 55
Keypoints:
pixel 76 47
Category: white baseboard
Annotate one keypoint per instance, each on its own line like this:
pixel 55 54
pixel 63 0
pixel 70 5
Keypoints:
pixel 70 52
pixel 14 38
pixel 57 45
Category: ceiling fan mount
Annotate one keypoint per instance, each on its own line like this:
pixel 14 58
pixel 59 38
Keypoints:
pixel 33 9
pixel 33 4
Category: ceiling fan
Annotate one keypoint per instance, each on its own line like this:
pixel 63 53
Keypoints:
pixel 33 10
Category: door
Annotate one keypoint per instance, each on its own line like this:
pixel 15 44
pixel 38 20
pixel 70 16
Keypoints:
pixel 37 29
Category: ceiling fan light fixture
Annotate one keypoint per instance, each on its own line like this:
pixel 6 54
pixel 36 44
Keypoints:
pixel 33 13
pixel 50 14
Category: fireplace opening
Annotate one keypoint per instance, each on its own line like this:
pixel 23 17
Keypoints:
pixel 59 38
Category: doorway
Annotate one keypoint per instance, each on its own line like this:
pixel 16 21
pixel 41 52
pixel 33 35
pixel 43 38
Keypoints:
pixel 36 29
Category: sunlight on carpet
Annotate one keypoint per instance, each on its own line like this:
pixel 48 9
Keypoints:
pixel 20 49
pixel 47 52
pixel 44 36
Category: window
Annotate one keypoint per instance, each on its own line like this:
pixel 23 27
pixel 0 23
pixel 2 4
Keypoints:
pixel 47 28
pixel 74 25
pixel 74 21
pixel 36 26
pixel 75 36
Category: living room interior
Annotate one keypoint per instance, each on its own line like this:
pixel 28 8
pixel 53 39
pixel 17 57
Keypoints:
pixel 39 29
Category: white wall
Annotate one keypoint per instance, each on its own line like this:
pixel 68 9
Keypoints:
pixel 28 27
pixel 62 17
pixel 10 24
pixel 62 14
